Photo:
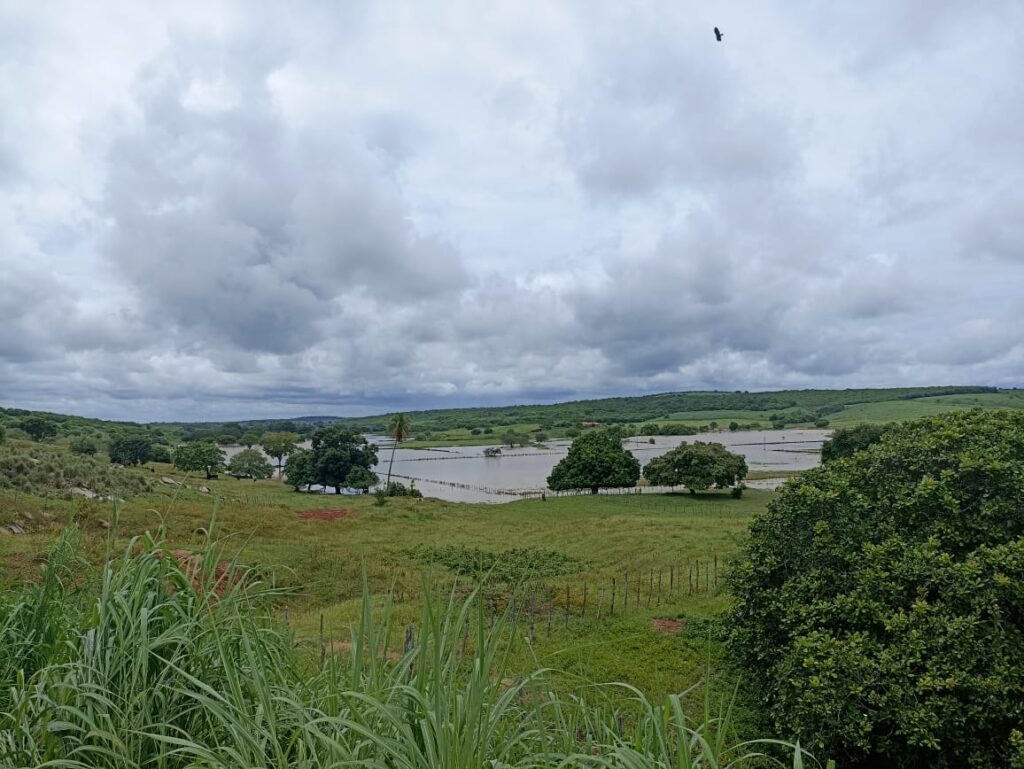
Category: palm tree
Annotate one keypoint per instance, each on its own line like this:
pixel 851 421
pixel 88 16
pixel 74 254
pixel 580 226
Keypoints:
pixel 399 429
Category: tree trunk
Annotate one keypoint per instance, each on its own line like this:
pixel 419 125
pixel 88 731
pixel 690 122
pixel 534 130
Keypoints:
pixel 593 489
pixel 337 489
pixel 387 484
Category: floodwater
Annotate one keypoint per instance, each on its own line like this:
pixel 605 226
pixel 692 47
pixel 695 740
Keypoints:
pixel 464 474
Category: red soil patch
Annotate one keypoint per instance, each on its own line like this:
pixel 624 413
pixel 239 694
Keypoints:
pixel 192 565
pixel 667 626
pixel 326 515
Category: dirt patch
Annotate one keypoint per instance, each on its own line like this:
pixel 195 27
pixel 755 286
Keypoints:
pixel 192 565
pixel 326 515
pixel 667 626
pixel 346 646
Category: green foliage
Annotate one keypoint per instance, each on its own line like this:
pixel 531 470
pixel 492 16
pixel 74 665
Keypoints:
pixel 361 478
pixel 336 451
pixel 880 600
pixel 734 426
pixel 130 448
pixel 250 463
pixel 3 433
pixel 83 444
pixel 514 439
pixel 201 456
pixel 848 440
pixel 595 460
pixel 299 470
pixel 48 472
pixel 279 444
pixel 160 453
pixel 159 673
pixel 540 437
pixel 396 489
pixel 697 466
pixel 38 427
pixel 509 566
pixel 821 423
pixel 492 451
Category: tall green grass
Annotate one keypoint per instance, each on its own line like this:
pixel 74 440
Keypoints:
pixel 149 666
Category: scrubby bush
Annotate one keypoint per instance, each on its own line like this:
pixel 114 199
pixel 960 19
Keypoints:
pixel 48 472
pixel 880 599
pixel 83 444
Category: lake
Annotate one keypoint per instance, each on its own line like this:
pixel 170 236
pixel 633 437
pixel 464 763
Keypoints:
pixel 464 474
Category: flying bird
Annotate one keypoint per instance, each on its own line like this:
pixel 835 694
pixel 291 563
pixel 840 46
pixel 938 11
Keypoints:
pixel 718 35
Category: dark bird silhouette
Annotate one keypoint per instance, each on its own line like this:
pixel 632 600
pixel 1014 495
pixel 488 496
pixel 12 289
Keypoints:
pixel 718 35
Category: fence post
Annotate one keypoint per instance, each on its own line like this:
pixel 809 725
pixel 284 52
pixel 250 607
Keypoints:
pixel 625 593
pixel 650 589
pixel 639 581
pixel 583 608
pixel 567 607
pixel 671 580
pixel 611 606
pixel 716 573
pixel 323 646
pixel 660 570
pixel 600 602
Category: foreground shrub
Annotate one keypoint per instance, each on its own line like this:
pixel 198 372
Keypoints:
pixel 880 600
pixel 181 670
pixel 847 441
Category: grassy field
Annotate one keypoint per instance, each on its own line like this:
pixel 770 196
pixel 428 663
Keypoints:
pixel 323 562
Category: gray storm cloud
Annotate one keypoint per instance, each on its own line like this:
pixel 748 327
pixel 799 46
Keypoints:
pixel 225 209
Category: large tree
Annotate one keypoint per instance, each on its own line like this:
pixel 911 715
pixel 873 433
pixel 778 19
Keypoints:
pixel 250 463
pixel 880 599
pixel 596 460
pixel 279 445
pixel 697 466
pixel 400 428
pixel 336 451
pixel 205 456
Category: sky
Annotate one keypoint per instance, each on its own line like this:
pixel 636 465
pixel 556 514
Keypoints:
pixel 240 210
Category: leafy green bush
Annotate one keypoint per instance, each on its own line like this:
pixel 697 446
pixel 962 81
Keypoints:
pixel 698 466
pixel 846 441
pixel 880 599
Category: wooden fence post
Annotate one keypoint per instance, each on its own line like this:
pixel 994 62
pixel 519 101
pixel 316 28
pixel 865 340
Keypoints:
pixel 567 608
pixel 611 606
pixel 650 589
pixel 625 593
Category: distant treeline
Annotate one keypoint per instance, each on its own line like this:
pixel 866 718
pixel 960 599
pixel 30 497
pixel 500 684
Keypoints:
pixel 779 407
pixel 647 408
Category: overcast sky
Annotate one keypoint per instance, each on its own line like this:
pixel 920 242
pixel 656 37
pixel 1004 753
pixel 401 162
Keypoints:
pixel 219 210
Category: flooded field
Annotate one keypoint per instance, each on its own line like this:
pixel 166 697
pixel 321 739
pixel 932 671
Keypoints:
pixel 464 474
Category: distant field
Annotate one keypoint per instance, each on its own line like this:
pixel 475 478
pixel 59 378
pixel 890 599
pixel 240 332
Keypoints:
pixel 889 411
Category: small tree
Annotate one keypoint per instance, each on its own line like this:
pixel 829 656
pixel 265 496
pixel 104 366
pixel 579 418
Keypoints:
pixel 279 445
pixel 193 457
pixel 250 463
pixel 299 470
pixel 596 460
pixel 734 426
pixel 697 466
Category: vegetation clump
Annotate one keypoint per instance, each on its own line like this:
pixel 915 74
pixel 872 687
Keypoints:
pixel 697 466
pixel 509 566
pixel 880 599
pixel 846 441
pixel 596 460
pixel 46 471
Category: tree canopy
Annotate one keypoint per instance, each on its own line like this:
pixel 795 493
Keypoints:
pixel 847 440
pixel 880 599
pixel 697 466
pixel 250 463
pixel 130 448
pixel 205 456
pixel 279 445
pixel 336 451
pixel 299 470
pixel 596 460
